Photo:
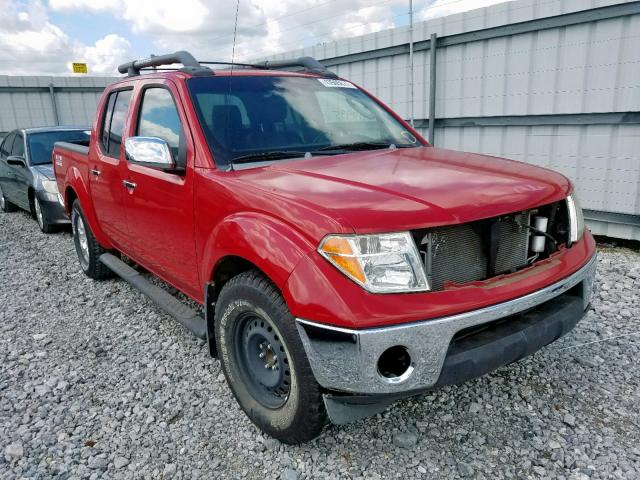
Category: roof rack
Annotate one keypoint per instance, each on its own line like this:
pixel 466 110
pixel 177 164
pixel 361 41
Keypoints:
pixel 192 66
pixel 308 63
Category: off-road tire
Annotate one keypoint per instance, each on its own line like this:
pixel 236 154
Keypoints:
pixel 303 415
pixel 88 258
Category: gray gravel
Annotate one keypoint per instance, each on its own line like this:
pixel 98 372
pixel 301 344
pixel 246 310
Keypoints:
pixel 95 382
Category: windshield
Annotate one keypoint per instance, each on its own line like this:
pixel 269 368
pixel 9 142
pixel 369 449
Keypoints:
pixel 252 118
pixel 41 144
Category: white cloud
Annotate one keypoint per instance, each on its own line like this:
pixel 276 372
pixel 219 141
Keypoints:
pixel 106 54
pixel 442 8
pixel 30 44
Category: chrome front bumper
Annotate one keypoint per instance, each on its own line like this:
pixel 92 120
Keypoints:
pixel 346 360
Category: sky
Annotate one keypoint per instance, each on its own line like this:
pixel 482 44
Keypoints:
pixel 43 37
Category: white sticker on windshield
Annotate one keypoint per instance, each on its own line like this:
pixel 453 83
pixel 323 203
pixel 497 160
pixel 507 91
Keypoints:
pixel 328 82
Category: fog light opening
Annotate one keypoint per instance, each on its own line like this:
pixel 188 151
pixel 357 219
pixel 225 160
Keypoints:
pixel 395 365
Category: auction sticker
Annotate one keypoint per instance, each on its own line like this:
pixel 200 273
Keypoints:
pixel 327 82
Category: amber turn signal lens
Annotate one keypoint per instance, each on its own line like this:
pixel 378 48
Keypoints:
pixel 339 251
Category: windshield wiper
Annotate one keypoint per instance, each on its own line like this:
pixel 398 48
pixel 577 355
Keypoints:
pixel 265 156
pixel 362 146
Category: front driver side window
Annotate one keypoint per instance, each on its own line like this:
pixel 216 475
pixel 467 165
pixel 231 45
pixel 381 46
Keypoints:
pixel 159 118
pixel 7 145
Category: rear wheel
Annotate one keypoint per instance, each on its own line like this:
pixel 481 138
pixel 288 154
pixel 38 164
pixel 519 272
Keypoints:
pixel 264 361
pixel 45 226
pixel 5 205
pixel 87 247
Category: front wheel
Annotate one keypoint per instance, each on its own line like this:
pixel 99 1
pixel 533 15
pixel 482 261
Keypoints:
pixel 87 247
pixel 264 361
pixel 43 223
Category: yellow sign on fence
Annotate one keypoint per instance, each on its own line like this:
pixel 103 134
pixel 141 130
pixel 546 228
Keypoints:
pixel 80 68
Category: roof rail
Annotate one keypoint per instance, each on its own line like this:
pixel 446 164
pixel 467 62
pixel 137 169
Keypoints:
pixel 190 64
pixel 308 63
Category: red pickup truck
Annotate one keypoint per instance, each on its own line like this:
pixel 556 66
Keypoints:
pixel 342 262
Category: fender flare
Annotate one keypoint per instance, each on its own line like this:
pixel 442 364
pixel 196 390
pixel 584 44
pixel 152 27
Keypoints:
pixel 74 181
pixel 272 246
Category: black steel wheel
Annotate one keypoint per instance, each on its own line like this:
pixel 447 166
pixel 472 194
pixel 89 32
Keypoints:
pixel 264 361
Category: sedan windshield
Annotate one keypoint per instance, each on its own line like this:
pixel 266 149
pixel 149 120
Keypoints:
pixel 41 144
pixel 250 119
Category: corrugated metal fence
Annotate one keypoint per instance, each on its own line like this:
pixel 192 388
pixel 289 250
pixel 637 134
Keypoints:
pixel 553 83
pixel 43 101
pixel 550 82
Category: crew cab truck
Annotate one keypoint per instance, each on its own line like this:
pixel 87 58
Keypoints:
pixel 342 261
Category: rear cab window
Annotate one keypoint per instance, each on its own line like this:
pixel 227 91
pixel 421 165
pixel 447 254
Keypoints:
pixel 113 122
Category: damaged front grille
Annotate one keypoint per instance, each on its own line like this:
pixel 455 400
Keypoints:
pixel 459 254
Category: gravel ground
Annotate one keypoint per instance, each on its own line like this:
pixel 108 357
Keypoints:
pixel 95 382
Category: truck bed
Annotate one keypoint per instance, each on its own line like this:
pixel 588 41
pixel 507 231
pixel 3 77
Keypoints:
pixel 66 156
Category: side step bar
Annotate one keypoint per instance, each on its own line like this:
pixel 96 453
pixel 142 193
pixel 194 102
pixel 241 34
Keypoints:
pixel 188 318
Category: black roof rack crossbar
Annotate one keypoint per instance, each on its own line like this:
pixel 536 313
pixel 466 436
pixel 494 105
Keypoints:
pixel 190 64
pixel 308 63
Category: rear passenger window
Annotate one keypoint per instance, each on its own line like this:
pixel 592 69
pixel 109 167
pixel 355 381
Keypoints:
pixel 159 118
pixel 113 125
pixel 106 122
pixel 18 146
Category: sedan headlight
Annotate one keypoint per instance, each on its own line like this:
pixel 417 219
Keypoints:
pixel 50 186
pixel 384 263
pixel 576 219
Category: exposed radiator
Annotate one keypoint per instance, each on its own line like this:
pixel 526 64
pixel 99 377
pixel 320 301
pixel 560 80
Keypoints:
pixel 465 253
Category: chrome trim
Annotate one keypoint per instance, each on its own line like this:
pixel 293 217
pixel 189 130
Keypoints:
pixel 351 365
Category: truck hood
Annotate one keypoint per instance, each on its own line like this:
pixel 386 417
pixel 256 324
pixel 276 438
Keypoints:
pixel 391 190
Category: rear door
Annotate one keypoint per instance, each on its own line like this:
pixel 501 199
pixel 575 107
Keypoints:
pixel 160 204
pixel 106 163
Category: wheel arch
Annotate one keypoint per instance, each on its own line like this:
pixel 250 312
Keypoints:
pixel 75 189
pixel 250 241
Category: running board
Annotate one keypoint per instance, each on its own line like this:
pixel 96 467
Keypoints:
pixel 188 318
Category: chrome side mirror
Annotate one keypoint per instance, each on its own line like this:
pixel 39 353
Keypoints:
pixel 149 151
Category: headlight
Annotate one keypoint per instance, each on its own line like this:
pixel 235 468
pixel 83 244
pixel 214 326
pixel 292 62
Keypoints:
pixel 576 220
pixel 385 263
pixel 50 186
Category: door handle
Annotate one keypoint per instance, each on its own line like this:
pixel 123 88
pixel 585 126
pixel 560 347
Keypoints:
pixel 129 185
pixel 95 172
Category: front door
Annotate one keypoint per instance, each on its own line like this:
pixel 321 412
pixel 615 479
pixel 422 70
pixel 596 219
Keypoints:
pixel 7 175
pixel 106 165
pixel 160 204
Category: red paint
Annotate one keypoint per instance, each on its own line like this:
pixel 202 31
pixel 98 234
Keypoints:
pixel 181 227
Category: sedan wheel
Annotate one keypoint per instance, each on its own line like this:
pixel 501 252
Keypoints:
pixel 6 205
pixel 39 216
